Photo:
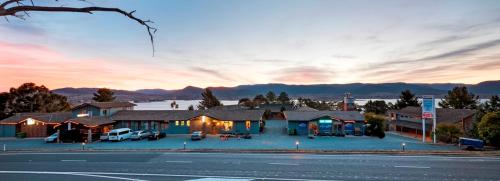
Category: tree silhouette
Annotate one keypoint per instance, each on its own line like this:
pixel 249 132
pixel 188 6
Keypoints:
pixel 20 9
pixel 209 100
pixel 459 98
pixel 406 99
pixel 104 95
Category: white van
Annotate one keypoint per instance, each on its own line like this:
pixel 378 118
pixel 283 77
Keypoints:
pixel 119 134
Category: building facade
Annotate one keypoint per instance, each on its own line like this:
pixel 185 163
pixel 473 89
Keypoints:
pixel 324 122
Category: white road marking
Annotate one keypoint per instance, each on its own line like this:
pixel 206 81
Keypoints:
pixel 294 164
pixel 219 179
pixel 71 173
pixel 155 175
pixel 409 166
pixel 73 160
pixel 172 161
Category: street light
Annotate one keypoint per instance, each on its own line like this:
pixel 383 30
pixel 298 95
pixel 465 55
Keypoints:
pixel 184 145
pixel 83 146
pixel 297 145
pixel 403 145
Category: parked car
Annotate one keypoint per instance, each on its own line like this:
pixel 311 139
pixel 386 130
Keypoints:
pixel 139 135
pixel 198 135
pixel 156 135
pixel 104 137
pixel 119 134
pixel 470 144
pixel 52 138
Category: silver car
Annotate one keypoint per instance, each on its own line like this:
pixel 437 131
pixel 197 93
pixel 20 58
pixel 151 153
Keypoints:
pixel 104 137
pixel 139 135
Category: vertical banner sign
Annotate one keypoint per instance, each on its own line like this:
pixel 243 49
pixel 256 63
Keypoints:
pixel 428 112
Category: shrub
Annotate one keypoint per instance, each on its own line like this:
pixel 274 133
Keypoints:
pixel 448 133
pixel 21 135
pixel 375 125
pixel 489 128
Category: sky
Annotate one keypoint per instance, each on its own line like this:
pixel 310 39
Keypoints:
pixel 234 42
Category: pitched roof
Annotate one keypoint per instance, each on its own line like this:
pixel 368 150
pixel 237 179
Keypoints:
pixel 311 115
pixel 44 117
pixel 443 115
pixel 92 121
pixel 106 105
pixel 272 107
pixel 155 115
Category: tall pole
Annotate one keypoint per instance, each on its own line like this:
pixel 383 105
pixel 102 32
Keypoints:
pixel 423 130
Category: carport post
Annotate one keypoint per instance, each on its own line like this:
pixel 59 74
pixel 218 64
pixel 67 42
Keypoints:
pixel 59 135
pixel 89 136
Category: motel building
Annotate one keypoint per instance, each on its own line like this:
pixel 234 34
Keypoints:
pixel 325 123
pixel 33 124
pixel 409 120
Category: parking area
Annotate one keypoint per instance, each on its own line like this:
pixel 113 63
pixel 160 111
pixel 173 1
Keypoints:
pixel 258 142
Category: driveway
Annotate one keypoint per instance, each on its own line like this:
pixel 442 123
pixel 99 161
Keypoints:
pixel 258 142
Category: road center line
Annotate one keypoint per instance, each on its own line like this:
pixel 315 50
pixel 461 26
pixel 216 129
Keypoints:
pixel 73 160
pixel 294 164
pixel 173 161
pixel 409 166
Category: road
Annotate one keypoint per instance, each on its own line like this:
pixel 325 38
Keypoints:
pixel 241 167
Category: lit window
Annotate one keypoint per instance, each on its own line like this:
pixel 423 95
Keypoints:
pixel 188 123
pixel 177 123
pixel 182 123
pixel 247 125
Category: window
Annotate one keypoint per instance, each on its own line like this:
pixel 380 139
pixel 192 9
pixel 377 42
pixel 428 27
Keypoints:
pixel 182 123
pixel 248 124
pixel 177 123
pixel 188 123
pixel 228 125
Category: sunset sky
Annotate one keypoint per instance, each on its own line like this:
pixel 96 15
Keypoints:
pixel 233 42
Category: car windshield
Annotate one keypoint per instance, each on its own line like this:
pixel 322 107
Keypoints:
pixel 135 133
pixel 112 134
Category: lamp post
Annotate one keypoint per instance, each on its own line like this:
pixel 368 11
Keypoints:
pixel 184 145
pixel 297 145
pixel 83 146
pixel 403 145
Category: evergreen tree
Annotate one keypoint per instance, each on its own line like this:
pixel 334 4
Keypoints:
pixel 377 107
pixel 31 98
pixel 459 98
pixel 283 98
pixel 104 95
pixel 191 108
pixel 209 100
pixel 489 128
pixel 271 97
pixel 260 99
pixel 406 99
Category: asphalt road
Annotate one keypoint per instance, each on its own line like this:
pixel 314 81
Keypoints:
pixel 241 167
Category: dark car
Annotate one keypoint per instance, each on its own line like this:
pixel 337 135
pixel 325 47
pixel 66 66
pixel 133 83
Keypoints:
pixel 198 135
pixel 156 135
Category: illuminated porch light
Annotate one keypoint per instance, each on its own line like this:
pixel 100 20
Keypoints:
pixel 30 121
pixel 203 119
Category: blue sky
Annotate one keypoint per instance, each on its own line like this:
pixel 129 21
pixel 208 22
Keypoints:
pixel 227 43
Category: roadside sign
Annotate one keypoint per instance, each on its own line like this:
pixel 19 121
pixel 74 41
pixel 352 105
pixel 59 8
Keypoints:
pixel 429 112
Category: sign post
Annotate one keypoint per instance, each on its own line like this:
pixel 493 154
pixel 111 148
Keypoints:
pixel 429 112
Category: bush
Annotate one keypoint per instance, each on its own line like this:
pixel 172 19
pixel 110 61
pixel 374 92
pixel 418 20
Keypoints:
pixel 375 125
pixel 448 133
pixel 21 135
pixel 489 128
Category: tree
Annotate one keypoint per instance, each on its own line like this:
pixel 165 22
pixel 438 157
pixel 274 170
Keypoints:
pixel 482 109
pixel 489 128
pixel 448 133
pixel 493 104
pixel 243 101
pixel 209 100
pixel 271 97
pixel 31 98
pixel 459 98
pixel 283 98
pixel 377 107
pixel 260 99
pixel 318 105
pixel 406 99
pixel 104 95
pixel 18 9
pixel 191 108
pixel 375 125
pixel 174 105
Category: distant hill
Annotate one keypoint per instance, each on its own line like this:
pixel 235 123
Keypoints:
pixel 317 91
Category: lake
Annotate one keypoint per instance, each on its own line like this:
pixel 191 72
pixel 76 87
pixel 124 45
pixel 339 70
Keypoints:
pixel 184 104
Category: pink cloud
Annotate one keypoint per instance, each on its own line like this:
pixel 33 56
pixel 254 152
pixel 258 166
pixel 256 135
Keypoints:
pixel 304 75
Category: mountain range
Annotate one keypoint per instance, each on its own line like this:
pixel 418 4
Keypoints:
pixel 316 91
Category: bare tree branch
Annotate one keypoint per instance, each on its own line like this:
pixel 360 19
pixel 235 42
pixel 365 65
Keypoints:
pixel 12 11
